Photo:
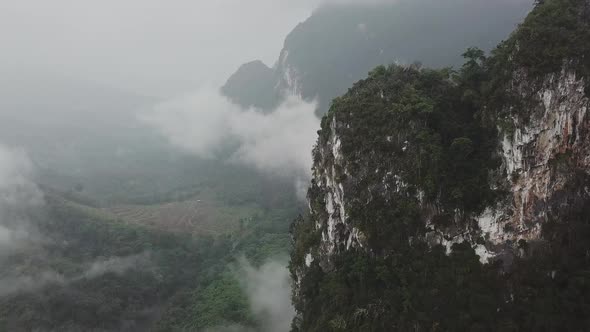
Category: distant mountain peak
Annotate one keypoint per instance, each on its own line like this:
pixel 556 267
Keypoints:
pixel 251 86
pixel 339 44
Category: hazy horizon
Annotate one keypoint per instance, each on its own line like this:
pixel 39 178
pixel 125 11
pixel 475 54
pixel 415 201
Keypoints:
pixel 145 47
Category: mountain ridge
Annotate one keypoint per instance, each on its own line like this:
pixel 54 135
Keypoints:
pixel 338 44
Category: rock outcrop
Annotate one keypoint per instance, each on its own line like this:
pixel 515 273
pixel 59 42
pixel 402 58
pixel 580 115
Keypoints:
pixel 493 161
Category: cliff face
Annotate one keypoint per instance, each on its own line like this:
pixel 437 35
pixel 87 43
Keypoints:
pixel 395 159
pixel 540 158
pixel 543 153
pixel 486 170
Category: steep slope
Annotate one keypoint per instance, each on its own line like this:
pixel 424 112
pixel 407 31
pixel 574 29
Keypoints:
pixel 339 44
pixel 456 201
pixel 539 95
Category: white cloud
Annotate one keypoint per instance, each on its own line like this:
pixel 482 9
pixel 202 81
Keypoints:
pixel 277 143
pixel 16 187
pixel 13 239
pixel 15 283
pixel 197 123
pixel 269 291
pixel 117 265
pixel 19 198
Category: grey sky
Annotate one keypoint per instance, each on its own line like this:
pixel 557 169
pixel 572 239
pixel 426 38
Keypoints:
pixel 154 47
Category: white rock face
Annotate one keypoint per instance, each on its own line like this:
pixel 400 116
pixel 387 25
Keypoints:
pixel 289 83
pixel 557 128
pixel 308 259
pixel 338 233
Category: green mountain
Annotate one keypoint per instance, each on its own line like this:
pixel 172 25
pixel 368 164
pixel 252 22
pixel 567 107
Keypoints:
pixel 456 200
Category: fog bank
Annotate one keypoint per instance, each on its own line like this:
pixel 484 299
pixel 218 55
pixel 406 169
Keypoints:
pixel 208 125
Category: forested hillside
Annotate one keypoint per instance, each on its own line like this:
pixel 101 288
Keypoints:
pixel 456 200
pixel 94 273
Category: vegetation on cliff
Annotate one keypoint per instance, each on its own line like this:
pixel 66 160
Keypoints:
pixel 418 142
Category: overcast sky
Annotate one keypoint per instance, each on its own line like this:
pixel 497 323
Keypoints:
pixel 154 47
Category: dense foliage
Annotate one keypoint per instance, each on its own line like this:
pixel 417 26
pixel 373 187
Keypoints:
pixel 424 289
pixel 94 273
pixel 541 286
pixel 436 131
pixel 553 37
pixel 422 125
pixel 555 32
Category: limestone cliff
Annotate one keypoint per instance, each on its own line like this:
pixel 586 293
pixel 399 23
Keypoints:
pixel 486 169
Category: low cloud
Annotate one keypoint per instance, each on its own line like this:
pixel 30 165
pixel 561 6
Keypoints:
pixel 19 199
pixel 269 290
pixel 208 125
pixel 12 240
pixel 117 265
pixel 197 123
pixel 15 284
pixel 280 142
pixel 12 284
pixel 231 328
pixel 17 190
